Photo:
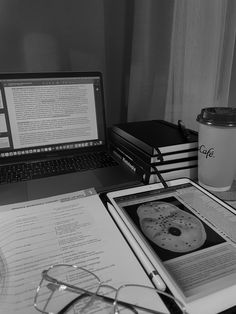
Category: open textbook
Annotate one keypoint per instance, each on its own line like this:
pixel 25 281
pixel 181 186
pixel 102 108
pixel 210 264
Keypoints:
pixel 72 228
pixel 189 236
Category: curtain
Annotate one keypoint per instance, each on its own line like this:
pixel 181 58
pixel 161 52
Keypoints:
pixel 202 48
pixel 149 62
pixel 192 69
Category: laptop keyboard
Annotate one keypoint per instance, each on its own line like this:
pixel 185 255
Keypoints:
pixel 47 168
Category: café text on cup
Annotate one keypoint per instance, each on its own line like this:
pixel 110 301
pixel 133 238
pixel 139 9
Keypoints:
pixel 208 152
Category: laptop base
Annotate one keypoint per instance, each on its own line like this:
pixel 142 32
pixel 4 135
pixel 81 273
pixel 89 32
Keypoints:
pixel 114 178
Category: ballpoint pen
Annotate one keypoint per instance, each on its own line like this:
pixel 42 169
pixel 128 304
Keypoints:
pixel 150 269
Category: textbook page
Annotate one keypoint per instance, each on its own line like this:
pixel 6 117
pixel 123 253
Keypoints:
pixel 73 228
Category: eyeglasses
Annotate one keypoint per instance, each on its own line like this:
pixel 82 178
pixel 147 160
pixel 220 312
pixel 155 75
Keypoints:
pixel 71 289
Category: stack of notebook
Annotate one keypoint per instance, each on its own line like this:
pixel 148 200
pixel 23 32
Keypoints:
pixel 156 148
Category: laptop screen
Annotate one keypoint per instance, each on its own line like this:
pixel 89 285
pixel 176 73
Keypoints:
pixel 55 112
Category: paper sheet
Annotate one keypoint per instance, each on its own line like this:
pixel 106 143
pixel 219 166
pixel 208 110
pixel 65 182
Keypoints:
pixel 73 228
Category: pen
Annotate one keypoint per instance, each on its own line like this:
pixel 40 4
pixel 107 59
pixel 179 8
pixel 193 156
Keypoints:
pixel 151 271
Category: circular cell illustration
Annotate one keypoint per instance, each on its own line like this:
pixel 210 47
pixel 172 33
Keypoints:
pixel 170 227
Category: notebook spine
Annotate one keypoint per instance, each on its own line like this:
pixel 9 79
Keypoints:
pixel 136 168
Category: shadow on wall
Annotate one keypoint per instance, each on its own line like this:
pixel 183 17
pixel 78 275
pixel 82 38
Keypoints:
pixel 40 51
pixel 50 36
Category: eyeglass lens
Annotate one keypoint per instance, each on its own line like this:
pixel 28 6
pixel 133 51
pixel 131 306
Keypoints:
pixel 52 297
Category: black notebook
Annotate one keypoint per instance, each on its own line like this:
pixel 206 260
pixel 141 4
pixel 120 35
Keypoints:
pixel 157 137
pixel 120 142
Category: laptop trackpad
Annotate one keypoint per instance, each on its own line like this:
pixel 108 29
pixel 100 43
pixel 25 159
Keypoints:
pixel 61 184
pixel 13 193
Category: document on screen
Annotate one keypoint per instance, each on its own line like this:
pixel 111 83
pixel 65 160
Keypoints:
pixel 51 114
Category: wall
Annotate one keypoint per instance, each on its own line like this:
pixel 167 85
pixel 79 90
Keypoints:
pixel 51 35
pixel 64 35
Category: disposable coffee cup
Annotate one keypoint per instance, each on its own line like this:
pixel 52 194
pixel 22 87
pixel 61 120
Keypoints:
pixel 217 148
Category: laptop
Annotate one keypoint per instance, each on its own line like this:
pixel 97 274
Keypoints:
pixel 54 116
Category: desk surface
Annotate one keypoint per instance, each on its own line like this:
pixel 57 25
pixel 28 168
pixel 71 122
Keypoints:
pixel 228 196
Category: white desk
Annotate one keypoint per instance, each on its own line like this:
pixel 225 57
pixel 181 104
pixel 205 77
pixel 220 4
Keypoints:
pixel 228 196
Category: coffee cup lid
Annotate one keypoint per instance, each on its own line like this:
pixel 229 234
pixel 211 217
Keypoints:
pixel 219 116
